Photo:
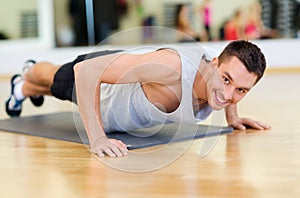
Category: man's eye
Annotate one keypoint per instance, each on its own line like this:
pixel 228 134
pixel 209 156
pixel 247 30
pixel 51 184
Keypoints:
pixel 240 90
pixel 226 80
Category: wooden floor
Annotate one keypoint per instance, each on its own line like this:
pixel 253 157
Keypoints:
pixel 252 164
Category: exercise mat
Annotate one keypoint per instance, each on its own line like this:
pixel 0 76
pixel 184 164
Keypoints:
pixel 67 126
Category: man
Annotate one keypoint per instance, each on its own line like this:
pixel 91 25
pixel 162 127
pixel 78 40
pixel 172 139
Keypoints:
pixel 118 91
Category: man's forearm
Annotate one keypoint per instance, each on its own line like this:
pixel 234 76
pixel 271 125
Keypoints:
pixel 88 100
pixel 231 111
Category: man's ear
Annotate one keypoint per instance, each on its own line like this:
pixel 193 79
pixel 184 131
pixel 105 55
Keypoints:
pixel 215 61
pixel 214 64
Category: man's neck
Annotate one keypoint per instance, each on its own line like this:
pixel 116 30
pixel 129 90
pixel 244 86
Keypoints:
pixel 199 86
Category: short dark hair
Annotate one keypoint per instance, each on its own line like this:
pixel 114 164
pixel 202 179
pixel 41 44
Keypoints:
pixel 248 53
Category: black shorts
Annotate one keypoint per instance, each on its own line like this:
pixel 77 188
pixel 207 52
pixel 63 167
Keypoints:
pixel 64 79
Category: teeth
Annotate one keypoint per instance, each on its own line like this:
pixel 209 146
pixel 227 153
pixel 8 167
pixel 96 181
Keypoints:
pixel 220 99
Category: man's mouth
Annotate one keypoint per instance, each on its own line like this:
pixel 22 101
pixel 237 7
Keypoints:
pixel 220 100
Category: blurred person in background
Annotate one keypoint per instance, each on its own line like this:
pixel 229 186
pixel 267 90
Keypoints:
pixel 206 14
pixel 233 28
pixel 183 24
pixel 255 28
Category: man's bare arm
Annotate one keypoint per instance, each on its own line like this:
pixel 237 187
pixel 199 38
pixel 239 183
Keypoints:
pixel 160 66
pixel 88 96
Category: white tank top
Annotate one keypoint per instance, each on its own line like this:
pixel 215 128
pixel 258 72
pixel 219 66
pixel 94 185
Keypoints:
pixel 124 107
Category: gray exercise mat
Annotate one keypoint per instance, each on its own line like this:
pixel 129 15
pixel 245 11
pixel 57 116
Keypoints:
pixel 61 126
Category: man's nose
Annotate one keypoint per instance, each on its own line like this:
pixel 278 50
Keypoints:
pixel 229 93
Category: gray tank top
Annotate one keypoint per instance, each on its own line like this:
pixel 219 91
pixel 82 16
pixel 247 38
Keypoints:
pixel 124 107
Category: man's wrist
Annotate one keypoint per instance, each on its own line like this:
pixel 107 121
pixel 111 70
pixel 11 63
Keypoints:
pixel 94 141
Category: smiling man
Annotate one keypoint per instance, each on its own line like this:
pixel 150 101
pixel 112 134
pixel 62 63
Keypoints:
pixel 120 91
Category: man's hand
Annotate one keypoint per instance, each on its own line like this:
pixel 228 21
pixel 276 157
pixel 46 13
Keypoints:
pixel 110 147
pixel 241 123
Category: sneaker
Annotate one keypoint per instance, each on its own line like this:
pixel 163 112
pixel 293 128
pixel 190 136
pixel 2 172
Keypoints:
pixel 13 106
pixel 28 65
pixel 36 100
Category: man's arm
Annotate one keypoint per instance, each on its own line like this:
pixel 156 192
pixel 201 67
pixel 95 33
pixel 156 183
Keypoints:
pixel 88 90
pixel 240 123
pixel 160 67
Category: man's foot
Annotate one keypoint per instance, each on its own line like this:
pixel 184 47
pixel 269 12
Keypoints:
pixel 13 106
pixel 28 65
pixel 36 100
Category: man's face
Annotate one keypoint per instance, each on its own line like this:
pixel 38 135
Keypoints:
pixel 229 83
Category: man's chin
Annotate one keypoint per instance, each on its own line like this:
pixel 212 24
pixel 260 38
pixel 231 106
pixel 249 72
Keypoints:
pixel 217 107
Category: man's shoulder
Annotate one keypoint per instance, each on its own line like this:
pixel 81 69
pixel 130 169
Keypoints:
pixel 191 49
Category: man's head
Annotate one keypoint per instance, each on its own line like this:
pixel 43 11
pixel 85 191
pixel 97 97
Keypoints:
pixel 238 68
pixel 248 53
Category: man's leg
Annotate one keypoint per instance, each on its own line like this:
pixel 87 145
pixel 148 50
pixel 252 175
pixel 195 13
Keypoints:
pixel 35 83
pixel 38 79
pixel 45 78
pixel 33 90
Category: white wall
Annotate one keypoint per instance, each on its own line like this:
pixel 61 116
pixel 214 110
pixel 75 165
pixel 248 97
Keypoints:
pixel 279 53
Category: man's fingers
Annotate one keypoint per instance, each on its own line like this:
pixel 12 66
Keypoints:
pixel 112 148
pixel 265 126
pixel 256 124
pixel 243 123
pixel 120 144
pixel 241 127
pixel 117 151
pixel 238 126
pixel 100 154
pixel 121 149
pixel 110 152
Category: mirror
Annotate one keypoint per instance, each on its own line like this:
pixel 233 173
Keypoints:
pixel 52 22
pixel 72 27
pixel 280 18
pixel 26 24
pixel 18 19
